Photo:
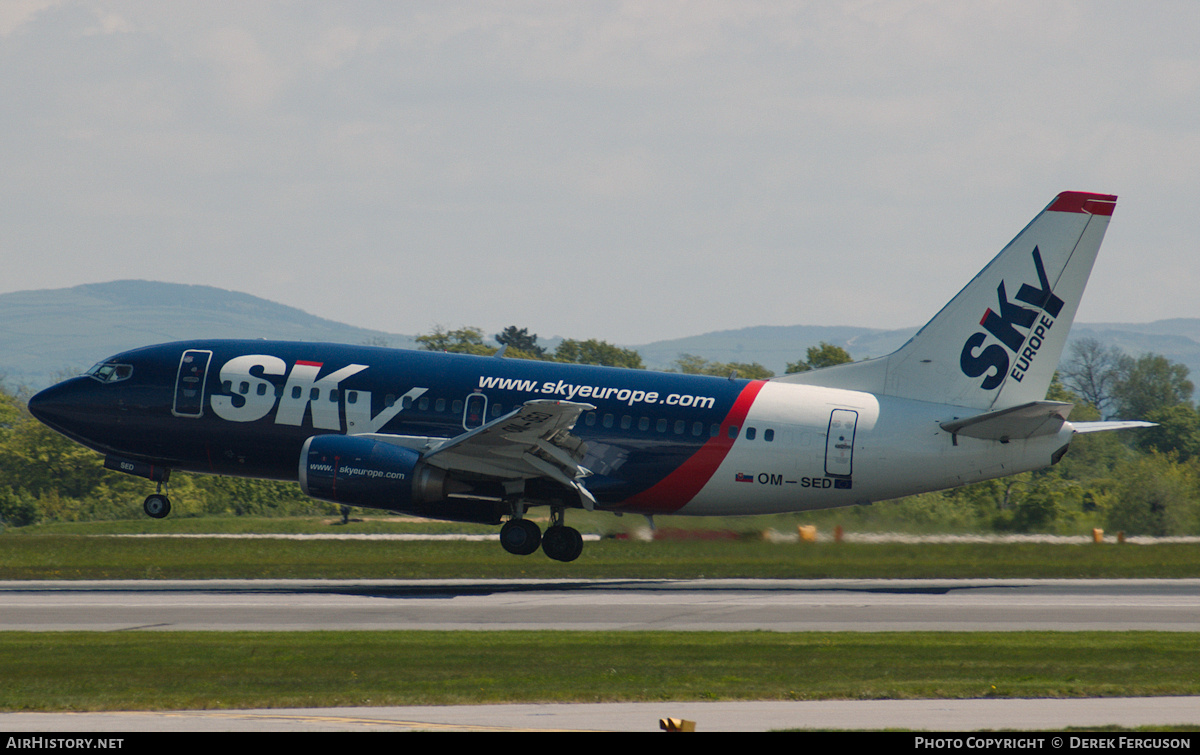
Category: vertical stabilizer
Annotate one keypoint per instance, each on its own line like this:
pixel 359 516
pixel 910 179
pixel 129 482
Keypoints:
pixel 997 343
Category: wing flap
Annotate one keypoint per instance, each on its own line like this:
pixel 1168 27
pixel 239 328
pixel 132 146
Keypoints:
pixel 532 441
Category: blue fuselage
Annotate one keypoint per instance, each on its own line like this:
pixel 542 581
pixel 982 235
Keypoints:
pixel 246 407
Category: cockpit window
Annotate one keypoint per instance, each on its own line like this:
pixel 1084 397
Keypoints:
pixel 110 372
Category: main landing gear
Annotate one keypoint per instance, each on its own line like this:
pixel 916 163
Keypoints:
pixel 522 537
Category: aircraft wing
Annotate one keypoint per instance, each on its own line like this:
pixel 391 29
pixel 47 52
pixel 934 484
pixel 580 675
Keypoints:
pixel 532 441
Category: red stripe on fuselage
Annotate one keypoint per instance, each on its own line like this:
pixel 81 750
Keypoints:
pixel 676 489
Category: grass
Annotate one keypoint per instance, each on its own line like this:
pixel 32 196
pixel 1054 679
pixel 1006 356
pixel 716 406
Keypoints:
pixel 199 670
pixel 209 670
pixel 62 556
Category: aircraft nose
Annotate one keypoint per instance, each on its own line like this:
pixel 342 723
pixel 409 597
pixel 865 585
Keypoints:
pixel 56 405
pixel 41 405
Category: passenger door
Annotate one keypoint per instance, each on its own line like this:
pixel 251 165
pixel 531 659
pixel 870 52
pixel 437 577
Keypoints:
pixel 839 443
pixel 189 383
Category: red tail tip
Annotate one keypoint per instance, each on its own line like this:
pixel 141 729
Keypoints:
pixel 1081 201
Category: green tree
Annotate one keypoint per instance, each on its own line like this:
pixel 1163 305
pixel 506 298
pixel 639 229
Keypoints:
pixel 1148 383
pixel 690 364
pixel 461 341
pixel 1153 494
pixel 521 340
pixel 1091 372
pixel 596 352
pixel 1177 432
pixel 1039 505
pixel 823 355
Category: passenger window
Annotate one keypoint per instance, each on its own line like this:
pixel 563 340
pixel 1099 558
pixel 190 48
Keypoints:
pixel 750 433
pixel 679 426
pixel 733 431
pixel 389 400
pixel 661 426
pixel 296 391
pixel 314 394
pixel 457 406
pixel 262 389
pixel 590 419
pixel 644 424
pixel 439 405
pixel 227 386
pixel 626 422
pixel 333 394
pixel 714 430
pixel 423 404
pixel 608 420
pixel 768 435
pixel 351 397
pixel 406 402
pixel 244 388
pixel 698 429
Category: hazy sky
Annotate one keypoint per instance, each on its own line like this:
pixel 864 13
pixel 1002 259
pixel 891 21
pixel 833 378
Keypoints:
pixel 626 171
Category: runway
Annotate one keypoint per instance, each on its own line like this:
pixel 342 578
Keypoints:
pixel 906 715
pixel 617 605
pixel 603 605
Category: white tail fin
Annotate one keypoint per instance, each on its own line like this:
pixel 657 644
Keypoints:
pixel 997 343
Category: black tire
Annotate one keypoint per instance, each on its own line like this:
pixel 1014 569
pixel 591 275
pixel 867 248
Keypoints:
pixel 562 543
pixel 157 506
pixel 520 537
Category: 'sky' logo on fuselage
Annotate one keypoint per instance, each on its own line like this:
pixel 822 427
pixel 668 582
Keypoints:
pixel 994 361
pixel 252 396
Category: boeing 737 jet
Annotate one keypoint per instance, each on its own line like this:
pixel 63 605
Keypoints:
pixel 485 439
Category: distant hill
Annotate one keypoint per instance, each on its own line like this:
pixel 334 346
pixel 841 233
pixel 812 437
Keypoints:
pixel 773 346
pixel 46 333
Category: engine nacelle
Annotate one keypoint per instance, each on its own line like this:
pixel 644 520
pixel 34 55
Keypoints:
pixel 363 472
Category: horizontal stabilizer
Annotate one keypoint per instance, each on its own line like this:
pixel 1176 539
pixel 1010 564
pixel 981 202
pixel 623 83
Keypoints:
pixel 1016 423
pixel 1099 427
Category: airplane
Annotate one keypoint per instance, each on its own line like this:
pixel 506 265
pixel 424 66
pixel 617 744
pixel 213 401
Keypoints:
pixel 485 439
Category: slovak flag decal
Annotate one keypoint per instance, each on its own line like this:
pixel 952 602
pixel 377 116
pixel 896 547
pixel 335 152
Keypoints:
pixel 744 477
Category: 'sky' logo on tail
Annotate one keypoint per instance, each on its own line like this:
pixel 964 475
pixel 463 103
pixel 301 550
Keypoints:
pixel 1006 326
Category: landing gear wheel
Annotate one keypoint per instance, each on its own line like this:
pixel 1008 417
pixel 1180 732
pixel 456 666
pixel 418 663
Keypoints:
pixel 562 543
pixel 520 537
pixel 157 505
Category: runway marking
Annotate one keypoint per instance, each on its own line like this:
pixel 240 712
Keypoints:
pixel 355 720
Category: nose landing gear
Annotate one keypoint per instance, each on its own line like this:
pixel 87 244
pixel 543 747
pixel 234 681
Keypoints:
pixel 157 505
